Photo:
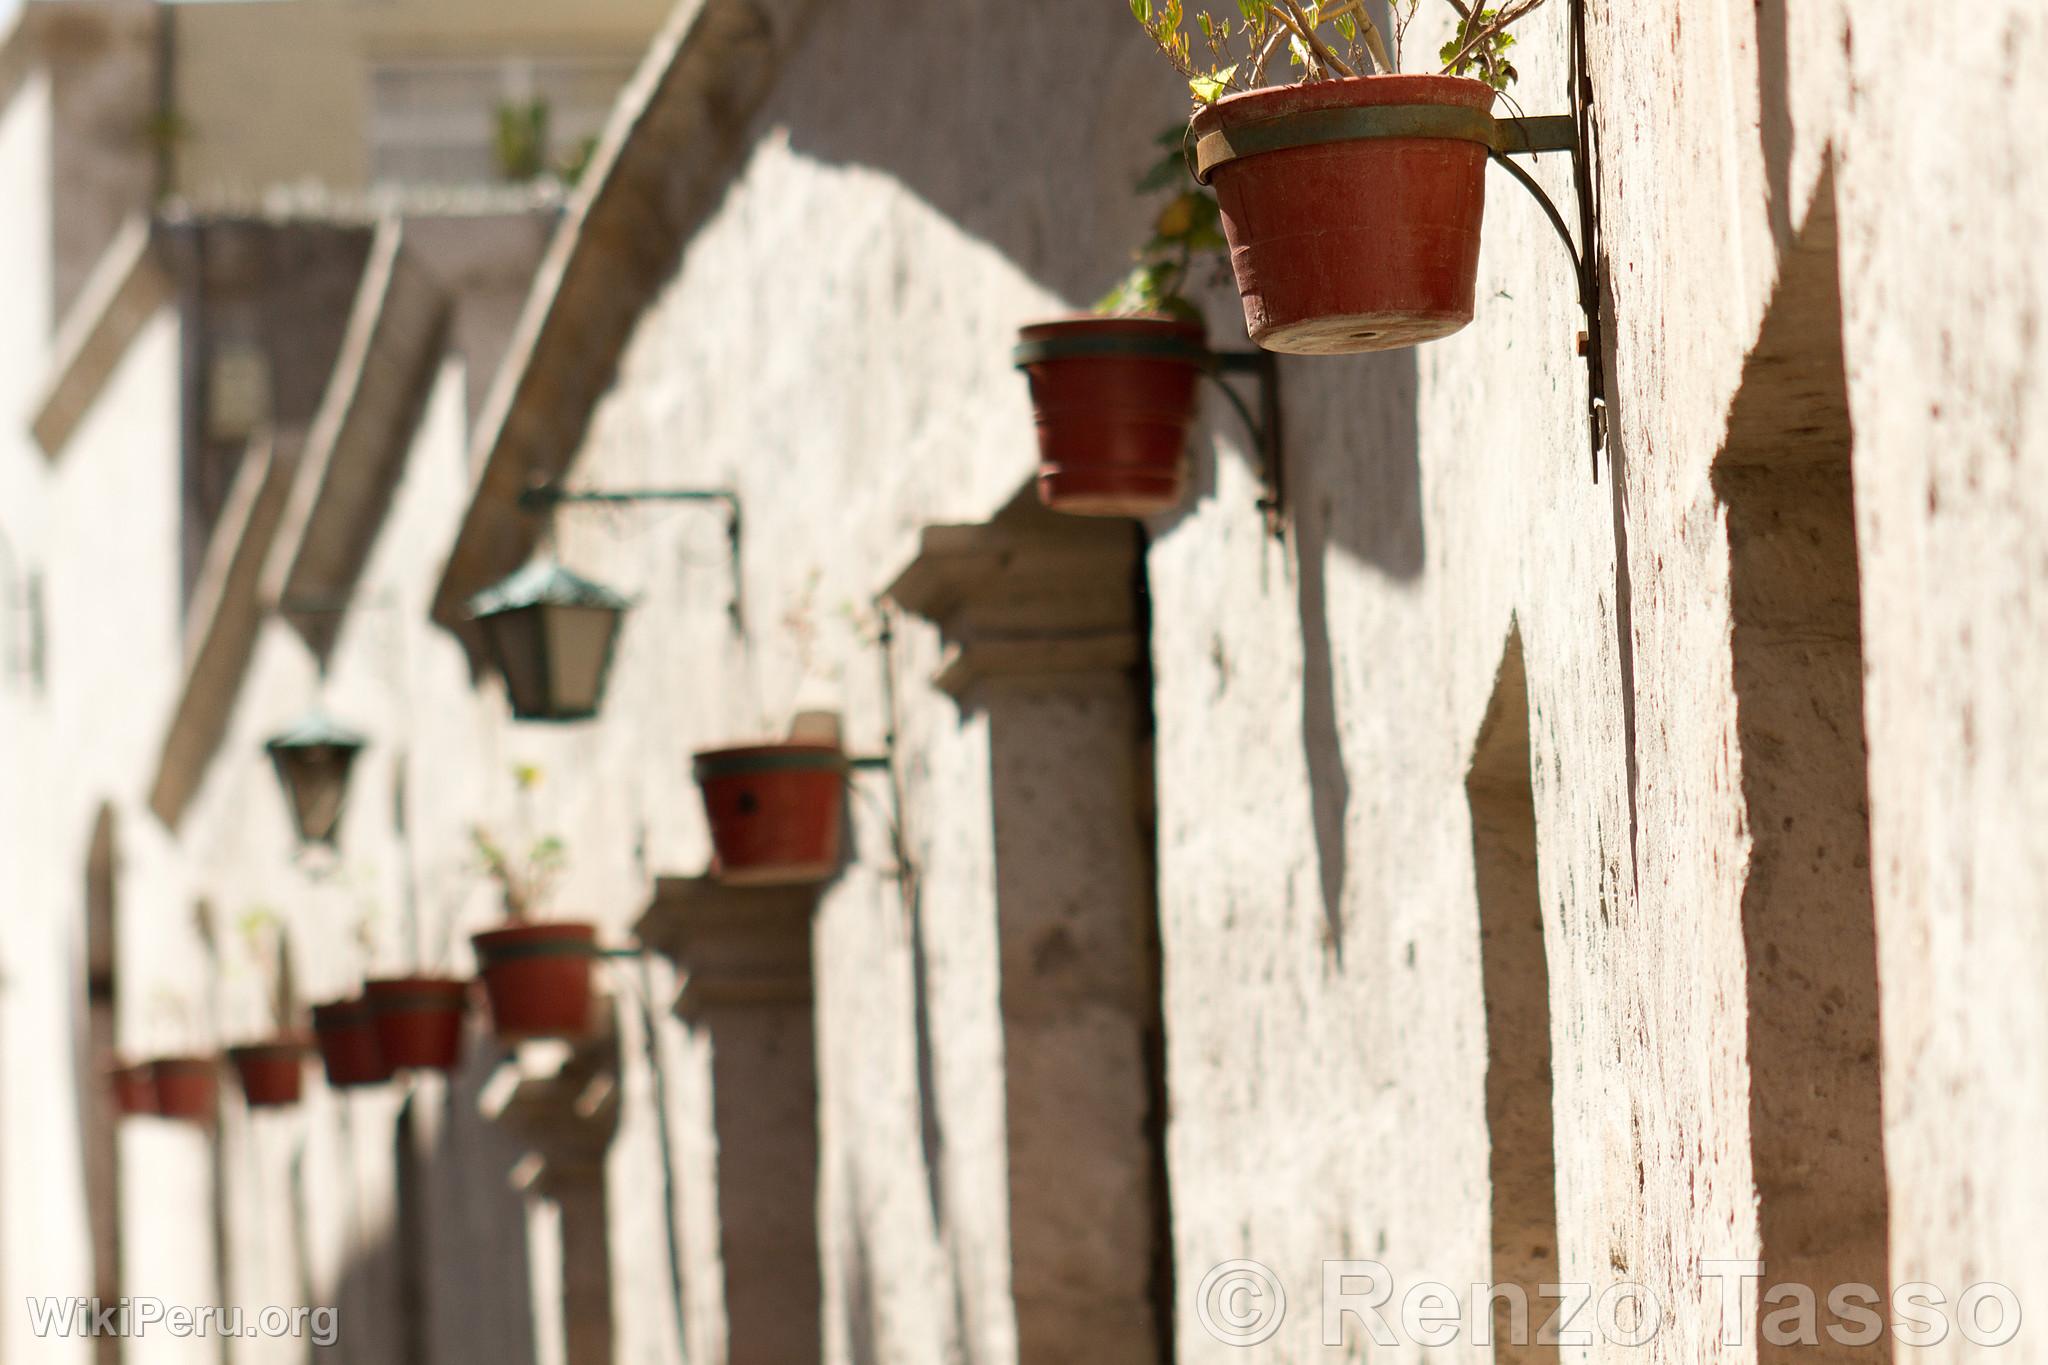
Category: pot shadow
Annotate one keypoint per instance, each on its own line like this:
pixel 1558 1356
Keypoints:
pixel 1024 176
pixel 1365 504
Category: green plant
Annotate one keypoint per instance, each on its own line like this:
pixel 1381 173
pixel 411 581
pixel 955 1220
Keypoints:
pixel 1323 39
pixel 521 142
pixel 1188 230
pixel 262 931
pixel 528 877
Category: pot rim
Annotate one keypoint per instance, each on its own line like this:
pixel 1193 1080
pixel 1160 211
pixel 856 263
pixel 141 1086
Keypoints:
pixel 1110 322
pixel 1340 113
pixel 416 994
pixel 1158 339
pixel 755 758
pixel 552 938
pixel 1343 93
pixel 273 1048
pixel 183 1063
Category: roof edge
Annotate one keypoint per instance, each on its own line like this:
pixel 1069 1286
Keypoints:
pixel 223 625
pixel 359 436
pixel 703 81
pixel 125 290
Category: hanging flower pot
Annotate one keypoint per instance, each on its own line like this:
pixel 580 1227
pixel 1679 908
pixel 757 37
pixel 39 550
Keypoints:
pixel 134 1089
pixel 419 1020
pixel 776 811
pixel 272 1073
pixel 1115 399
pixel 185 1088
pixel 1351 243
pixel 346 1033
pixel 538 978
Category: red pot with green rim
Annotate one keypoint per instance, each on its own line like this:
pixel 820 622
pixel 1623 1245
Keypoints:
pixel 776 811
pixel 272 1074
pixel 186 1088
pixel 134 1089
pixel 538 978
pixel 1353 207
pixel 346 1033
pixel 1114 400
pixel 418 1020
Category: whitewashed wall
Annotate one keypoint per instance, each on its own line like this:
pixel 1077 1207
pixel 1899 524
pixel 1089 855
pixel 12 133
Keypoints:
pixel 834 344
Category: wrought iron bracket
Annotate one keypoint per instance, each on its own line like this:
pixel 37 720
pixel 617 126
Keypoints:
pixel 544 498
pixel 1559 133
pixel 1263 427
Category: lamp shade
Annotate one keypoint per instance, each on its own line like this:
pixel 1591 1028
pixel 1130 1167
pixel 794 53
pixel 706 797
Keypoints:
pixel 550 633
pixel 313 759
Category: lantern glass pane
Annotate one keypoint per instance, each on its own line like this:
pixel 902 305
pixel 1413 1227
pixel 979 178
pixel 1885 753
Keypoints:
pixel 516 641
pixel 315 781
pixel 579 645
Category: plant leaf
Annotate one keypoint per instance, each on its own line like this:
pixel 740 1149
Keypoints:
pixel 1208 89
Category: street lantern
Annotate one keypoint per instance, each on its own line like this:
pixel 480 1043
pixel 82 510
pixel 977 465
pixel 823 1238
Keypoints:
pixel 550 633
pixel 313 758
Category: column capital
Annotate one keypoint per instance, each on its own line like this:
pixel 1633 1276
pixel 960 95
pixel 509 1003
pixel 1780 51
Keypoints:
pixel 1028 593
pixel 737 946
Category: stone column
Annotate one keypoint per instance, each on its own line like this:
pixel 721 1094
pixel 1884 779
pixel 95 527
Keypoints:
pixel 746 958
pixel 562 1101
pixel 1042 617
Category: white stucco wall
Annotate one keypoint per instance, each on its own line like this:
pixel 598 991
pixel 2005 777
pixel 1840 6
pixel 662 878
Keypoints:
pixel 834 345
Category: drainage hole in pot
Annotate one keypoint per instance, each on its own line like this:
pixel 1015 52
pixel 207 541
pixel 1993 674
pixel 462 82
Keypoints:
pixel 749 803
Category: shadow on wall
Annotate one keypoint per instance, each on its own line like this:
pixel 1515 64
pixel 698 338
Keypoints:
pixel 1354 487
pixel 1354 481
pixel 1808 917
pixel 448 1280
pixel 1515 973
pixel 987 166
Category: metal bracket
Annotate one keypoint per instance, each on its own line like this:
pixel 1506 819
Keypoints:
pixel 1264 428
pixel 1592 344
pixel 543 498
pixel 1571 133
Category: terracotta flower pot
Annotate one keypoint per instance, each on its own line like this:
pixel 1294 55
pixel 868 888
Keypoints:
pixel 186 1087
pixel 346 1032
pixel 538 978
pixel 272 1074
pixel 1115 398
pixel 1366 244
pixel 134 1089
pixel 775 811
pixel 418 1020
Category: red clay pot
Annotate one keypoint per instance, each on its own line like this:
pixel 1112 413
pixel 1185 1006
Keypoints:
pixel 1363 245
pixel 418 1020
pixel 272 1074
pixel 776 811
pixel 538 978
pixel 134 1089
pixel 346 1032
pixel 186 1087
pixel 1115 398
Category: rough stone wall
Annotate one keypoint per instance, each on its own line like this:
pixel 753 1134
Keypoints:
pixel 1941 176
pixel 1320 702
